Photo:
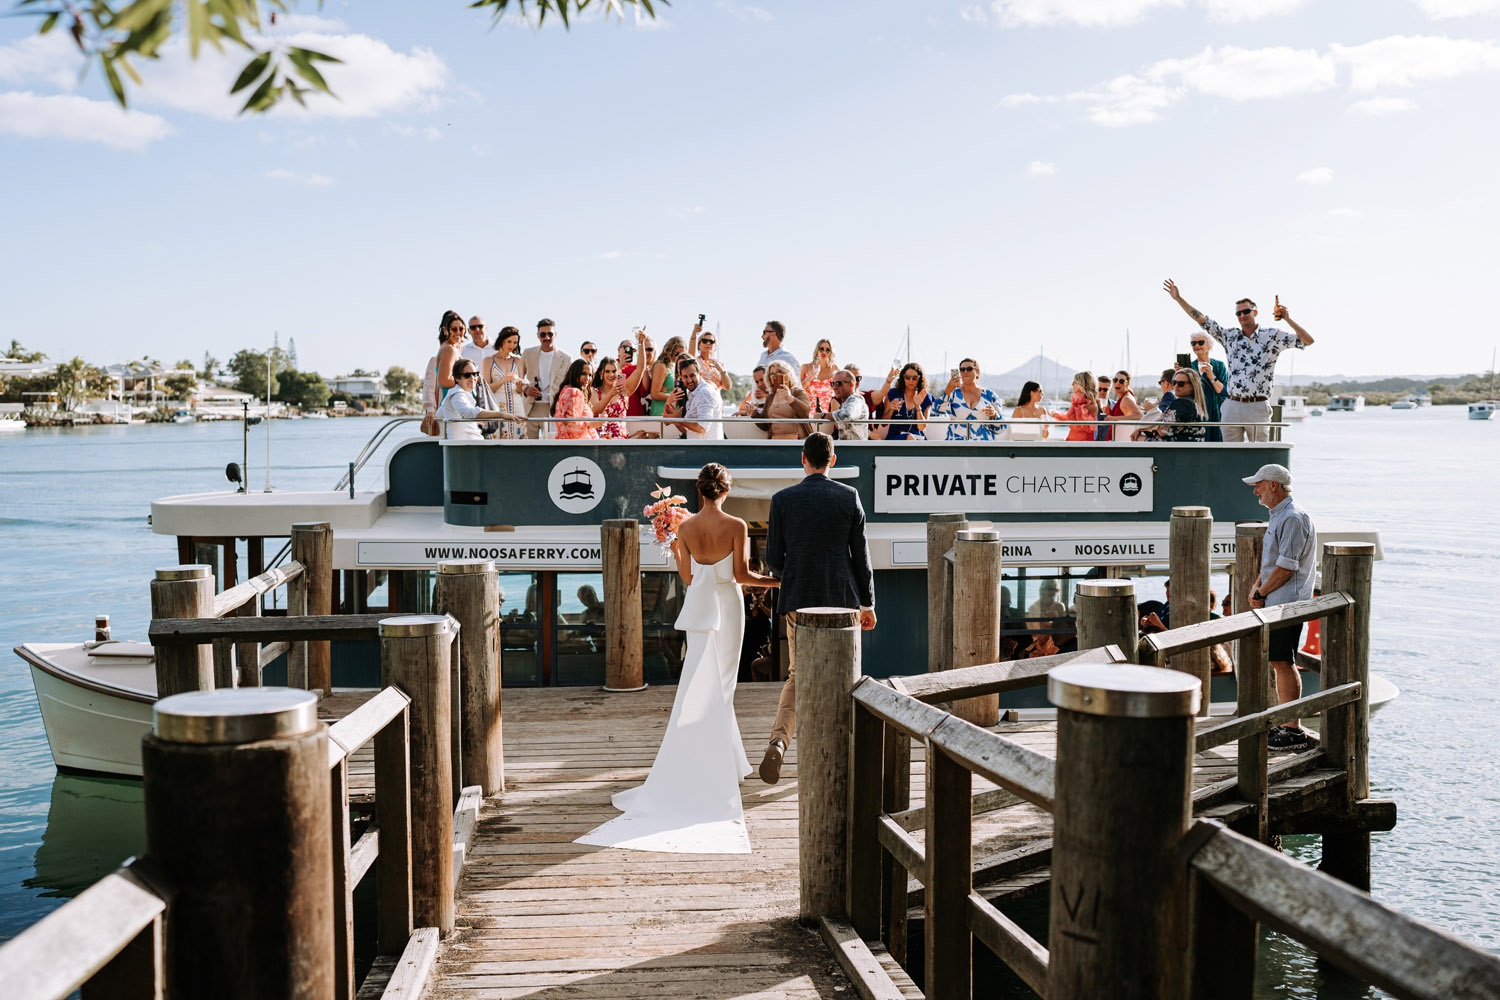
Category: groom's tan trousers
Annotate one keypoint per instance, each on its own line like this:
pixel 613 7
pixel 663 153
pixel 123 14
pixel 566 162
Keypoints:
pixel 786 709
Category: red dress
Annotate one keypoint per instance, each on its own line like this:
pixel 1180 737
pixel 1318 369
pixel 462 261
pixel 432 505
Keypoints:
pixel 571 402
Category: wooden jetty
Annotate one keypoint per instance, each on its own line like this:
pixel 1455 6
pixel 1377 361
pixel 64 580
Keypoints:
pixel 899 829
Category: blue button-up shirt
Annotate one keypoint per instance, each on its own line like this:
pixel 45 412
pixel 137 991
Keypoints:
pixel 1289 543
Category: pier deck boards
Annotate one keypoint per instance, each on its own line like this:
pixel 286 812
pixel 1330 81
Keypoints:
pixel 540 916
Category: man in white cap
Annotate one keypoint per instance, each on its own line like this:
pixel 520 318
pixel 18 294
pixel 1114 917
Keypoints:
pixel 1287 568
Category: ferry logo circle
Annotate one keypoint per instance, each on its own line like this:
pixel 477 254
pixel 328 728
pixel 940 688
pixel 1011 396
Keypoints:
pixel 1130 484
pixel 576 485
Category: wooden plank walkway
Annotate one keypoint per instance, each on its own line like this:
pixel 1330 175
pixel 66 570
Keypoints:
pixel 540 916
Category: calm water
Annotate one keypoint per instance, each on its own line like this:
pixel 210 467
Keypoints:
pixel 74 541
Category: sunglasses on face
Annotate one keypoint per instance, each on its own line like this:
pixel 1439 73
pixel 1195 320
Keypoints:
pixel 1198 343
pixel 1119 381
pixel 968 368
pixel 839 381
pixel 468 374
pixel 912 378
pixel 1243 312
pixel 589 351
pixel 707 340
pixel 476 326
pixel 1181 385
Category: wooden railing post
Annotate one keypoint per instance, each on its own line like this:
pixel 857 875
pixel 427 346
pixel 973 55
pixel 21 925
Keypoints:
pixel 866 751
pixel 238 824
pixel 624 643
pixel 827 643
pixel 949 945
pixel 941 530
pixel 1105 612
pixel 183 592
pixel 1347 567
pixel 415 653
pixel 1249 536
pixel 312 546
pixel 470 592
pixel 976 616
pixel 1191 559
pixel 1123 800
pixel 895 796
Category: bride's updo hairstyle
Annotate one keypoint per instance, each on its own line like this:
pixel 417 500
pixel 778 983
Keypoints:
pixel 713 481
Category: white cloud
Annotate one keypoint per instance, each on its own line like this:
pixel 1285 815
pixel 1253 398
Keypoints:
pixel 1383 106
pixel 613 255
pixel 295 177
pixel 50 58
pixel 373 79
pixel 1401 60
pixel 1439 9
pixel 1316 176
pixel 68 116
pixel 1345 213
pixel 745 12
pixel 1115 13
pixel 1248 10
pixel 1040 168
pixel 310 22
pixel 1260 74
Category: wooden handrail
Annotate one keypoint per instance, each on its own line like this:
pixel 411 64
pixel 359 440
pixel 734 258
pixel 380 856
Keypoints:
pixel 360 726
pixel 1204 634
pixel 904 712
pixel 1237 727
pixel 1015 768
pixel 231 599
pixel 1026 956
pixel 1007 675
pixel 902 845
pixel 292 628
pixel 1379 944
pixel 72 944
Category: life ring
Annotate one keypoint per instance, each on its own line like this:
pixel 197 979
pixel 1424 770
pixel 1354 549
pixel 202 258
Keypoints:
pixel 1313 644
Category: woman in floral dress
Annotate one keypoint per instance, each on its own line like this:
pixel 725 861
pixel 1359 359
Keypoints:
pixel 503 374
pixel 572 404
pixel 609 399
pixel 815 376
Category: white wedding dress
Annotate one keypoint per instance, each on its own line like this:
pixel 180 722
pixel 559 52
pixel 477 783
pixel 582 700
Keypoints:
pixel 690 802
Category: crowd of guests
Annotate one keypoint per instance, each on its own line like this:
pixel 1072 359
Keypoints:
pixel 478 387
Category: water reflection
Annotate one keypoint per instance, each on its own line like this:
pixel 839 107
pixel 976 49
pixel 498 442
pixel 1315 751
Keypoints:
pixel 93 824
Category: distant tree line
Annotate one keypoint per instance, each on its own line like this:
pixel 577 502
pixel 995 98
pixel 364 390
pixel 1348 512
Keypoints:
pixel 1453 390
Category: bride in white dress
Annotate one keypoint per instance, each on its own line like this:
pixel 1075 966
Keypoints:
pixel 690 802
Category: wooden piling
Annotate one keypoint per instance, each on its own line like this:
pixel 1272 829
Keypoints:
pixel 183 592
pixel 1105 612
pixel 470 592
pixel 827 643
pixel 1191 556
pixel 1249 536
pixel 312 546
pixel 941 530
pixel 624 642
pixel 949 944
pixel 976 616
pixel 1123 801
pixel 1347 567
pixel 238 824
pixel 415 653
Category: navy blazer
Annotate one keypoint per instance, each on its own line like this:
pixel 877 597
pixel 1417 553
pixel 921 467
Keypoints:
pixel 815 542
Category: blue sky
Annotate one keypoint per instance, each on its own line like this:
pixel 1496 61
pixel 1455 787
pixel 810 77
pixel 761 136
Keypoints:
pixel 1002 176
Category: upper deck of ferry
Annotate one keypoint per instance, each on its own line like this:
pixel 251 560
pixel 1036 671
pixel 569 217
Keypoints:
pixel 1065 510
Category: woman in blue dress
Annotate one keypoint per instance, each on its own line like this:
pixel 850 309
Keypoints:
pixel 977 407
pixel 908 401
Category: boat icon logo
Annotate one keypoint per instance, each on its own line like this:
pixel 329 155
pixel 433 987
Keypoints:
pixel 1130 484
pixel 576 485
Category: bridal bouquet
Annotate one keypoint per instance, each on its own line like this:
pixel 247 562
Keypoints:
pixel 666 512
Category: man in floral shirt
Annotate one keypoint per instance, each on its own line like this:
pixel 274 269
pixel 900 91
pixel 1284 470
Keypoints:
pixel 1252 351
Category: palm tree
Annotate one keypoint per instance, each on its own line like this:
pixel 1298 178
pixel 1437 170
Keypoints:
pixel 18 353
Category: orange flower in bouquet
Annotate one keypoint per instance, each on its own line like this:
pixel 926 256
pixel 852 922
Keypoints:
pixel 666 512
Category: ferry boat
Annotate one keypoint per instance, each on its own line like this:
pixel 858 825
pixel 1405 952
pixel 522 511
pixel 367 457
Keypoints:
pixel 1346 404
pixel 1067 512
pixel 1293 407
pixel 1483 410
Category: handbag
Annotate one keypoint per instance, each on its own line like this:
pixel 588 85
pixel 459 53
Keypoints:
pixel 486 400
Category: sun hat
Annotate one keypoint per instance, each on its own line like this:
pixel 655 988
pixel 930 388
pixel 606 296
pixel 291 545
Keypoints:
pixel 1271 473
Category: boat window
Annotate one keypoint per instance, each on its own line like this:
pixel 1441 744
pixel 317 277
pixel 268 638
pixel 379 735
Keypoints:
pixel 517 597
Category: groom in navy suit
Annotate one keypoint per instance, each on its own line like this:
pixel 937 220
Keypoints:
pixel 815 542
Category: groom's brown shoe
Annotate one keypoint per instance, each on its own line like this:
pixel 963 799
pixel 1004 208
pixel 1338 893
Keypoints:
pixel 770 764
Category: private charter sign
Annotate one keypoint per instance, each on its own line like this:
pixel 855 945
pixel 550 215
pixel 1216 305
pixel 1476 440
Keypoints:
pixel 1012 485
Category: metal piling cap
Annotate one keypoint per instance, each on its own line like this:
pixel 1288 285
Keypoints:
pixel 978 535
pixel 412 626
pixel 827 618
pixel 192 571
pixel 235 715
pixel 1192 512
pixel 466 567
pixel 1124 691
pixel 1108 587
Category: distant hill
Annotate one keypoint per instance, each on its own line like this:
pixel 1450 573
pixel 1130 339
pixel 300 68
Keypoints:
pixel 1055 376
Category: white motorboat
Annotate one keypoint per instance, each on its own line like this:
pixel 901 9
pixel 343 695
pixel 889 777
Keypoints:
pixel 1316 411
pixel 1405 403
pixel 1482 410
pixel 1346 404
pixel 95 702
pixel 1293 407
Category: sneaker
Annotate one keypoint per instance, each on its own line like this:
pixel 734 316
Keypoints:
pixel 770 764
pixel 1288 738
